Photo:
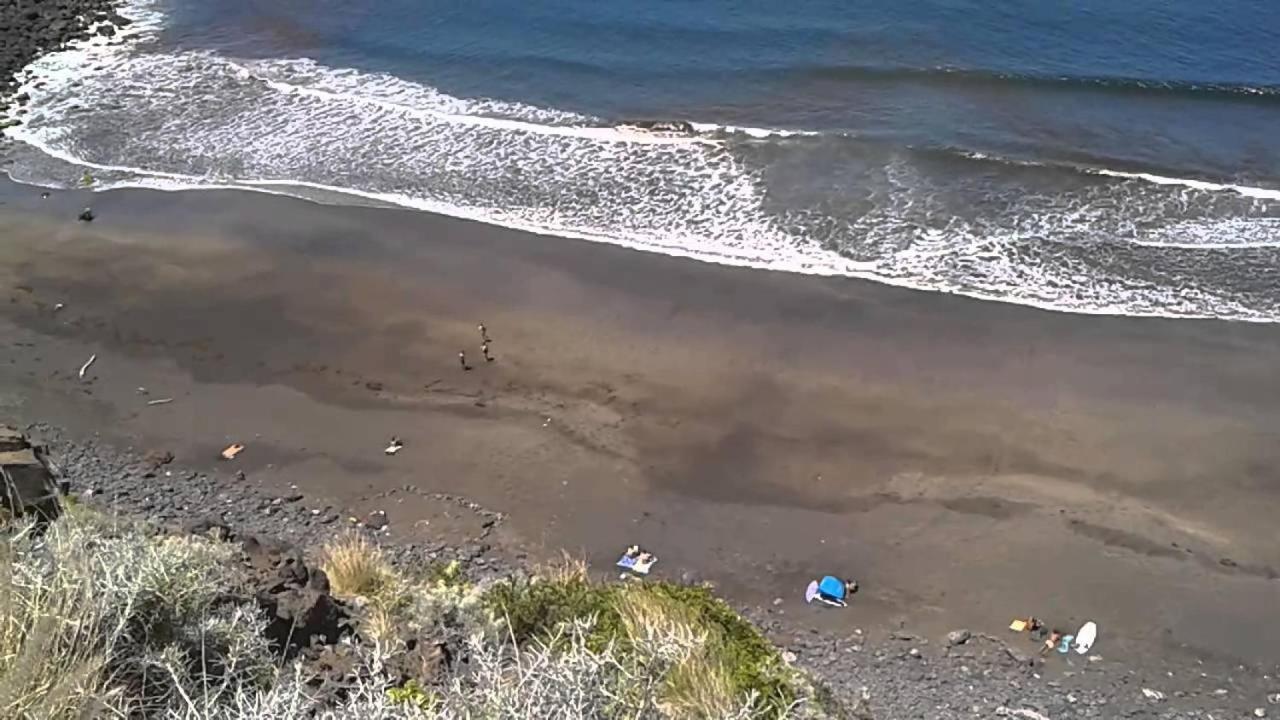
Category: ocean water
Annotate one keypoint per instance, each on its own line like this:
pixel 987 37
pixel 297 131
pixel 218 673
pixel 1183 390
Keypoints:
pixel 1092 156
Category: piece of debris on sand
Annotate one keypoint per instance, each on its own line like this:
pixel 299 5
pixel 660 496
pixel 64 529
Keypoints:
pixel 394 446
pixel 85 367
pixel 231 451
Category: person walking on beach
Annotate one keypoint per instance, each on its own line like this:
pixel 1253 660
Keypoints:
pixel 462 360
pixel 484 349
pixel 484 334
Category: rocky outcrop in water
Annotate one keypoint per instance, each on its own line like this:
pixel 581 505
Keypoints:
pixel 30 28
pixel 680 127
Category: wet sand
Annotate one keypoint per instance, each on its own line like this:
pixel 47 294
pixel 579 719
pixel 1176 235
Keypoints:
pixel 966 461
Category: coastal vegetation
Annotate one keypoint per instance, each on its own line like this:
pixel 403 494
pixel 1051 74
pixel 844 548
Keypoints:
pixel 107 617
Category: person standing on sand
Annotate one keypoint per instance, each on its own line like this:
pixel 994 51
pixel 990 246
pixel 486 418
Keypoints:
pixel 484 334
pixel 462 360
pixel 484 349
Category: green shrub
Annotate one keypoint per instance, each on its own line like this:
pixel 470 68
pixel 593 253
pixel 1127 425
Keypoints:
pixel 719 648
pixel 411 693
pixel 535 609
pixel 752 661
pixel 446 574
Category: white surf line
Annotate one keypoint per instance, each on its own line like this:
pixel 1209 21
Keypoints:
pixel 599 134
pixel 833 266
pixel 1245 190
pixel 798 267
pixel 1245 245
pixel 828 265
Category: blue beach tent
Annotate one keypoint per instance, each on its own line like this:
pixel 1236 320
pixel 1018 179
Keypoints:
pixel 831 588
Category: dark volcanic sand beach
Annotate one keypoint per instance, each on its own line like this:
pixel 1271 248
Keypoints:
pixel 966 461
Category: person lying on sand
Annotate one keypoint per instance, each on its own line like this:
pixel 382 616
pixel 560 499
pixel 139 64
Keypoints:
pixel 1052 642
pixel 641 556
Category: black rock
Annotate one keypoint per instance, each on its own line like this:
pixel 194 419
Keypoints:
pixel 297 616
pixel 376 520
pixel 28 29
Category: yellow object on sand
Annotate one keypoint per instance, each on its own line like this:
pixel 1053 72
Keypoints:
pixel 1018 625
pixel 232 451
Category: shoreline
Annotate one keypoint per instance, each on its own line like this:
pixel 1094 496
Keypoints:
pixel 352 197
pixel 960 458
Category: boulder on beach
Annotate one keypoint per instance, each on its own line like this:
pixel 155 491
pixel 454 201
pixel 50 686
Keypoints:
pixel 29 486
pixel 294 597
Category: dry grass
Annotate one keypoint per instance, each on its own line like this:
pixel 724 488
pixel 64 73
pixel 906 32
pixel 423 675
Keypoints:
pixel 567 569
pixel 658 625
pixel 700 687
pixel 683 651
pixel 99 620
pixel 380 626
pixel 52 645
pixel 358 569
pixel 98 617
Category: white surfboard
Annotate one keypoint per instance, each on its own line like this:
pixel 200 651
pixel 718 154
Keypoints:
pixel 1085 638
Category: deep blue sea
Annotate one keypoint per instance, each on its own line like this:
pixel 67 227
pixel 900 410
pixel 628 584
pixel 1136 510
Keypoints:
pixel 1092 156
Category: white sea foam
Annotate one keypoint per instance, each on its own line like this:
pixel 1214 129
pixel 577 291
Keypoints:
pixel 1245 190
pixel 754 132
pixel 143 116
